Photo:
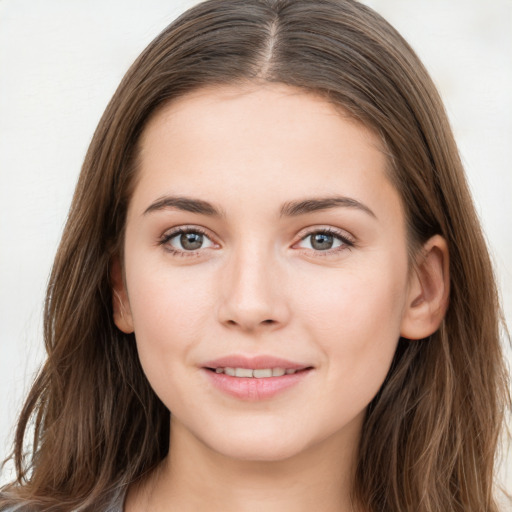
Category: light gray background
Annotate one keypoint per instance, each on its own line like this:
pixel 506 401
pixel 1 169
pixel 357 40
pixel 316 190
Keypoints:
pixel 60 62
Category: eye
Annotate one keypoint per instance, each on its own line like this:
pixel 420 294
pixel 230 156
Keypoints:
pixel 325 240
pixel 186 240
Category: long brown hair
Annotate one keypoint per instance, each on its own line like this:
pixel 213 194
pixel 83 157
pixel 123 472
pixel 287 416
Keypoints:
pixel 430 435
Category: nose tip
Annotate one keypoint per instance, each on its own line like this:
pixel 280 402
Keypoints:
pixel 251 308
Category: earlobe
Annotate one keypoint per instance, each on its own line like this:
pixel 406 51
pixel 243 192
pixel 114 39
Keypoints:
pixel 429 290
pixel 120 304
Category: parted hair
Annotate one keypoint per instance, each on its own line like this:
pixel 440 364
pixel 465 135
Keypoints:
pixel 91 424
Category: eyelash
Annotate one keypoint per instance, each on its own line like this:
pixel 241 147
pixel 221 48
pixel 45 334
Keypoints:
pixel 346 242
pixel 167 237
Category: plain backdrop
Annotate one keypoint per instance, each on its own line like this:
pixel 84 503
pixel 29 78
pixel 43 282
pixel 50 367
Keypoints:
pixel 60 62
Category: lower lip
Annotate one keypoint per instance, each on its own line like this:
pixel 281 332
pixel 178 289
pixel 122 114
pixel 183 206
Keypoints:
pixel 253 389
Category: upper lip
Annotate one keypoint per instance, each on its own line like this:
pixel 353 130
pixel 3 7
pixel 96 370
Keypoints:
pixel 254 362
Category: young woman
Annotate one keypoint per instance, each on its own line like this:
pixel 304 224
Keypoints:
pixel 272 291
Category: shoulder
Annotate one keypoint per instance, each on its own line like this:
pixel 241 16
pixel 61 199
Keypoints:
pixel 18 507
pixel 114 504
pixel 113 507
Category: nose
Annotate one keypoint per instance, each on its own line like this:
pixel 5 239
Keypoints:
pixel 252 292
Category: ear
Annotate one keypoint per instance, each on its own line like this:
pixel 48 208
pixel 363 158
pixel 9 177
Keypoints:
pixel 120 304
pixel 429 290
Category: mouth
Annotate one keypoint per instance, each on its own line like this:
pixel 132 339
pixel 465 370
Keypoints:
pixel 256 373
pixel 255 378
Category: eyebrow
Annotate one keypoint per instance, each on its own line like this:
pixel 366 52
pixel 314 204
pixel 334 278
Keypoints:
pixel 186 204
pixel 295 208
pixel 289 209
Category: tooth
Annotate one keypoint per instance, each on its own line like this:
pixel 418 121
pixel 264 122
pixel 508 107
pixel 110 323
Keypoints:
pixel 259 374
pixel 243 372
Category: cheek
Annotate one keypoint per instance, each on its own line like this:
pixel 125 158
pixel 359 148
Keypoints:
pixel 355 319
pixel 354 301
pixel 170 317
pixel 170 312
pixel 161 296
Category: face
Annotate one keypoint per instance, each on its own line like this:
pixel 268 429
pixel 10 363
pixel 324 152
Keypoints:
pixel 266 269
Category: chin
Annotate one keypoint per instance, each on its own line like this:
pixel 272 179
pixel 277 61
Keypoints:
pixel 254 446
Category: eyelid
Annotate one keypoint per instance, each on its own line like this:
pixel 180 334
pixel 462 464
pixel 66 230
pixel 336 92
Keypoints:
pixel 348 240
pixel 169 234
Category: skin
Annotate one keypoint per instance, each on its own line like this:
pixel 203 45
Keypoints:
pixel 257 285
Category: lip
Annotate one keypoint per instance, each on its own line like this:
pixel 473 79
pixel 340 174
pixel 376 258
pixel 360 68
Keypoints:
pixel 254 362
pixel 251 388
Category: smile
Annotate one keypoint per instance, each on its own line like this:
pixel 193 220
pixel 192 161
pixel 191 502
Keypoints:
pixel 257 373
pixel 255 378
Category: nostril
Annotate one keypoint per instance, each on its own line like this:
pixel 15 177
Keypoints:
pixel 250 325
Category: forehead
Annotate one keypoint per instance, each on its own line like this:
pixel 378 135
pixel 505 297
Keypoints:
pixel 227 143
pixel 250 107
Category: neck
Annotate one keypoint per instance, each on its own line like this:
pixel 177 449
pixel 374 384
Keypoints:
pixel 195 477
